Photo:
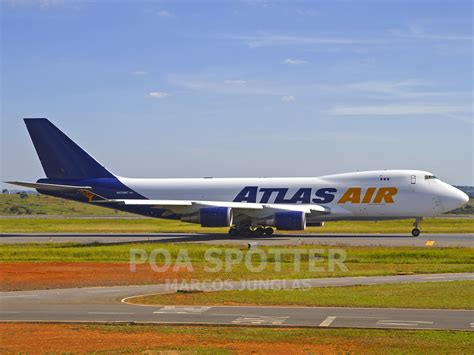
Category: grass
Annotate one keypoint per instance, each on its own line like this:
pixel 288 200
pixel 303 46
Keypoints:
pixel 151 339
pixel 367 261
pixel 145 225
pixel 448 295
pixel 38 205
pixel 229 339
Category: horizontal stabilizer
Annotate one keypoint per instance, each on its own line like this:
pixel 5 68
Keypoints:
pixel 49 187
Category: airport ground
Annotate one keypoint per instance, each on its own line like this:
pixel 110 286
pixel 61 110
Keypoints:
pixel 71 261
pixel 126 338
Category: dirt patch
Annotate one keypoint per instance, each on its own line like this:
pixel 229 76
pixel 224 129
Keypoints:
pixel 47 275
pixel 74 338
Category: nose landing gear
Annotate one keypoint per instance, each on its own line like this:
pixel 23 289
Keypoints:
pixel 416 231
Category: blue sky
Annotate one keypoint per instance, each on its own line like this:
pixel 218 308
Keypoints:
pixel 242 88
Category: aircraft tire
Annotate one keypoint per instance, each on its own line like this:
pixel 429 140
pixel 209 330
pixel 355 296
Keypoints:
pixel 259 231
pixel 269 231
pixel 415 232
pixel 233 232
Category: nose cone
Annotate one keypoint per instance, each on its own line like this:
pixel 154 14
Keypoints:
pixel 452 198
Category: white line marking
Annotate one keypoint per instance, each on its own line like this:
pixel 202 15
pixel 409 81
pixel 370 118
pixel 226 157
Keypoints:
pixel 110 313
pixel 102 291
pixel 472 325
pixel 327 322
pixel 407 323
pixel 9 312
pixel 436 277
pixel 259 320
pixel 18 296
pixel 182 310
pixel 393 323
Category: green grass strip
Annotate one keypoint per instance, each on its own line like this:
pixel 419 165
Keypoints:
pixel 446 295
pixel 148 225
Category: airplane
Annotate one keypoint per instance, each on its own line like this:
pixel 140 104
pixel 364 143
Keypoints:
pixel 247 206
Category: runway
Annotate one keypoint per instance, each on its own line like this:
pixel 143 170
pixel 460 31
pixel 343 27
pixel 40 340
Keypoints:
pixel 392 240
pixel 110 304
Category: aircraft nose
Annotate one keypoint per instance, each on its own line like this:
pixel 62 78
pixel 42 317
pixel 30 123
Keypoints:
pixel 453 198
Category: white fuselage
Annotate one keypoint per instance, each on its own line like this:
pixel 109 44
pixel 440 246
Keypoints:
pixel 372 195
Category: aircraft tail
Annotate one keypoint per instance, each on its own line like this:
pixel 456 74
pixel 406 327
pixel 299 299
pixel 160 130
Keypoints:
pixel 60 156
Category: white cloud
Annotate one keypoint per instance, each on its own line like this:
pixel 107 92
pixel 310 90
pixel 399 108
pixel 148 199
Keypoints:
pixel 294 61
pixel 306 12
pixel 209 83
pixel 418 32
pixel 260 3
pixel 158 94
pixel 139 72
pixel 235 82
pixel 163 13
pixel 288 98
pixel 43 4
pixel 262 39
pixel 406 89
pixel 399 109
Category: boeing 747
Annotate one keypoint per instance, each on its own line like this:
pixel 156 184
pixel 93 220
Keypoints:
pixel 247 206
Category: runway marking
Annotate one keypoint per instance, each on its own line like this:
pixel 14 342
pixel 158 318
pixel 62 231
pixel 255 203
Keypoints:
pixel 18 296
pixel 102 291
pixel 182 310
pixel 435 277
pixel 327 322
pixel 408 323
pixel 461 276
pixel 9 312
pixel 259 320
pixel 472 325
pixel 110 313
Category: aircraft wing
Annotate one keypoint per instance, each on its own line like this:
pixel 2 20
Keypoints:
pixel 180 206
pixel 184 206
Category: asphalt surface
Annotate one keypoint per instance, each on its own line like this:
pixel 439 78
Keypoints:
pixel 437 240
pixel 109 304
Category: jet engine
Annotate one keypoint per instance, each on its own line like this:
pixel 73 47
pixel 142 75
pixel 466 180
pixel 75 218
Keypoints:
pixel 211 217
pixel 290 221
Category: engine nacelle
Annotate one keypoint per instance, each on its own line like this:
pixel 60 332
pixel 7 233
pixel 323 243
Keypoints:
pixel 290 221
pixel 211 217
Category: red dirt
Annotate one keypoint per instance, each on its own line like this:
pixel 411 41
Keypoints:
pixel 47 275
pixel 75 338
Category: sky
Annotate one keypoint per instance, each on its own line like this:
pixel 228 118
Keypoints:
pixel 242 88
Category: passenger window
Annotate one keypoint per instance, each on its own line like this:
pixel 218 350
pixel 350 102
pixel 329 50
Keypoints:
pixel 413 179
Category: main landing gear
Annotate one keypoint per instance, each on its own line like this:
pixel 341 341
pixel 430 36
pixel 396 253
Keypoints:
pixel 415 231
pixel 258 231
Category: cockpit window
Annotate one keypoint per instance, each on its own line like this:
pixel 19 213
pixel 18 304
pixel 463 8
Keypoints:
pixel 429 177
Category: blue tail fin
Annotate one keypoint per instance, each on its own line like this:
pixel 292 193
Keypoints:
pixel 60 156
